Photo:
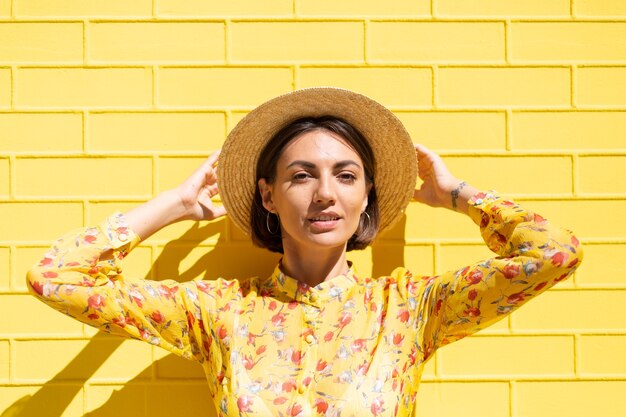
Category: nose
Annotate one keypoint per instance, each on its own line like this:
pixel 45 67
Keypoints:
pixel 325 191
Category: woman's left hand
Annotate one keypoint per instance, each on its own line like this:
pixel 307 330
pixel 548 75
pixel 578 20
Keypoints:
pixel 438 182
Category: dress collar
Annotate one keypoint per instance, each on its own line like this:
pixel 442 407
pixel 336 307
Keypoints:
pixel 324 291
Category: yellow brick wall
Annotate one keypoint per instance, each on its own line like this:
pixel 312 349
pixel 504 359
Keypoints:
pixel 103 104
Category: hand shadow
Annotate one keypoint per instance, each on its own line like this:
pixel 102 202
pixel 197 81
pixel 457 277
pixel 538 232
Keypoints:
pixel 225 260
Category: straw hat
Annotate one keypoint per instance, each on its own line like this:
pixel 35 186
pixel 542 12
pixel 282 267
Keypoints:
pixel 395 164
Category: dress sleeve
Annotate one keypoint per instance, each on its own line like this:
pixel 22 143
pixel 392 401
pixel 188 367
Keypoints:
pixel 533 256
pixel 81 276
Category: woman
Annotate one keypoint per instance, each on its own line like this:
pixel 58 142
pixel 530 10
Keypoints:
pixel 312 174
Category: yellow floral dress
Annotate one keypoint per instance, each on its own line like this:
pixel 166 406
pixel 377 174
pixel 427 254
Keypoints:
pixel 271 346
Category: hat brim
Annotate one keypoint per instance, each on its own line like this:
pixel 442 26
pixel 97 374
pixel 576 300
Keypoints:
pixel 395 163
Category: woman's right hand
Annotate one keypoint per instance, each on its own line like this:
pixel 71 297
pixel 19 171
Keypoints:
pixel 196 191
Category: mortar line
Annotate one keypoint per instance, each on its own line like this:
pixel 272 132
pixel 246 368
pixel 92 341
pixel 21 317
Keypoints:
pixel 227 41
pixel 434 74
pixel 576 348
pixel 366 29
pixel 295 76
pixel 155 91
pixel 512 398
pixel 573 89
pixel 13 86
pixel 85 120
pixel 508 130
pixel 85 24
pixel 575 176
pixel 12 178
pixel 507 36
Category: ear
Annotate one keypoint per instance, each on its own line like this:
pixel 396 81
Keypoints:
pixel 265 190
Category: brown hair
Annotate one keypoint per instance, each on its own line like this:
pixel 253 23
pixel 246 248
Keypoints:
pixel 266 168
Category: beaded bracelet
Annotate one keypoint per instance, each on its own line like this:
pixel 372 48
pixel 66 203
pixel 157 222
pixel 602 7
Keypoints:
pixel 455 193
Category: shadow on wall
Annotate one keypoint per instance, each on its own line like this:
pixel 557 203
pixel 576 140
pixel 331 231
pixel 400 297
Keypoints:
pixel 169 397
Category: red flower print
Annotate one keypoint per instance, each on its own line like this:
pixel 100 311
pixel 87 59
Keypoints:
pixel 368 296
pixel 320 406
pixel 45 262
pixel 540 286
pixel 120 321
pixel 575 241
pixel 403 315
pixel 397 339
pixel 222 332
pixel 49 274
pixel 278 319
pixel 413 355
pixel 289 385
pixel 377 405
pixel 539 220
pixel 572 263
pixel 472 295
pixel 37 287
pixel 158 317
pixel 251 338
pixel 322 366
pixel 190 319
pixel 472 312
pixel 296 357
pixel 558 258
pixel 89 239
pixel 261 349
pixel 307 381
pixel 438 306
pixel 248 362
pixel 510 271
pixel 203 286
pixel 279 400
pixel 244 403
pixel 484 220
pixel 294 410
pixel 562 277
pixel 96 301
pixel 516 298
pixel 362 368
pixel 272 305
pixel 358 345
pixel 345 318
pixel 292 305
pixel 474 277
pixel 168 292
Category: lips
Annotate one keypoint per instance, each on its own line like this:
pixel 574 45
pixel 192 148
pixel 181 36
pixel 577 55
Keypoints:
pixel 324 217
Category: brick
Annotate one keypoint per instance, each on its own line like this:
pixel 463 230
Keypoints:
pixel 5 8
pixel 447 399
pixel 34 318
pixel 189 399
pixel 170 366
pixel 4 178
pixel 117 400
pixel 80 177
pixel 502 8
pixel 5 269
pixel 568 130
pixel 18 225
pixel 214 86
pixel 568 41
pixel 174 170
pixel 25 258
pixel 601 87
pixel 4 360
pixel 429 368
pixel 185 132
pixel 188 261
pixel 41 42
pixel 602 355
pixel 517 174
pixel 98 359
pixel 362 261
pixel 588 218
pixel 455 130
pixel 224 8
pixel 574 311
pixel 504 87
pixel 492 356
pixel 52 400
pixel 436 41
pixel 570 398
pixel 607 8
pixel 77 87
pixel 423 222
pixel 389 86
pixel 603 265
pixel 82 8
pixel 5 87
pixel 364 8
pixel 41 132
pixel 297 41
pixel 602 174
pixel 163 42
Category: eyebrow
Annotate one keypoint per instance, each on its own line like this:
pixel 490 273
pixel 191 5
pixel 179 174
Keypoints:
pixel 338 165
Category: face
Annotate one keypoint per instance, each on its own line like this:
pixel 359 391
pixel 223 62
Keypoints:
pixel 319 191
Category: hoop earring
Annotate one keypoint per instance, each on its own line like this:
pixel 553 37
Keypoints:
pixel 369 219
pixel 267 224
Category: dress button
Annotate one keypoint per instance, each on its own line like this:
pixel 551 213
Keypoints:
pixel 123 237
pixel 314 297
pixel 310 338
pixel 301 389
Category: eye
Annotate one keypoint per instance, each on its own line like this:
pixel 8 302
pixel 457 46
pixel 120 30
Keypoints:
pixel 301 176
pixel 347 177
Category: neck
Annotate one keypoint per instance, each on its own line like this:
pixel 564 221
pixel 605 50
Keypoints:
pixel 312 266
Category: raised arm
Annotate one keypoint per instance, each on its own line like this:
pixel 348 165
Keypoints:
pixel 81 274
pixel 534 254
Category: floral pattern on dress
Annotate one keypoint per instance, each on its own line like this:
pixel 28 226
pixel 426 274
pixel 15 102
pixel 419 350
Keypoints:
pixel 350 346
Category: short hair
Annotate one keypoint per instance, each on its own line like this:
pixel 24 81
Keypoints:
pixel 266 169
